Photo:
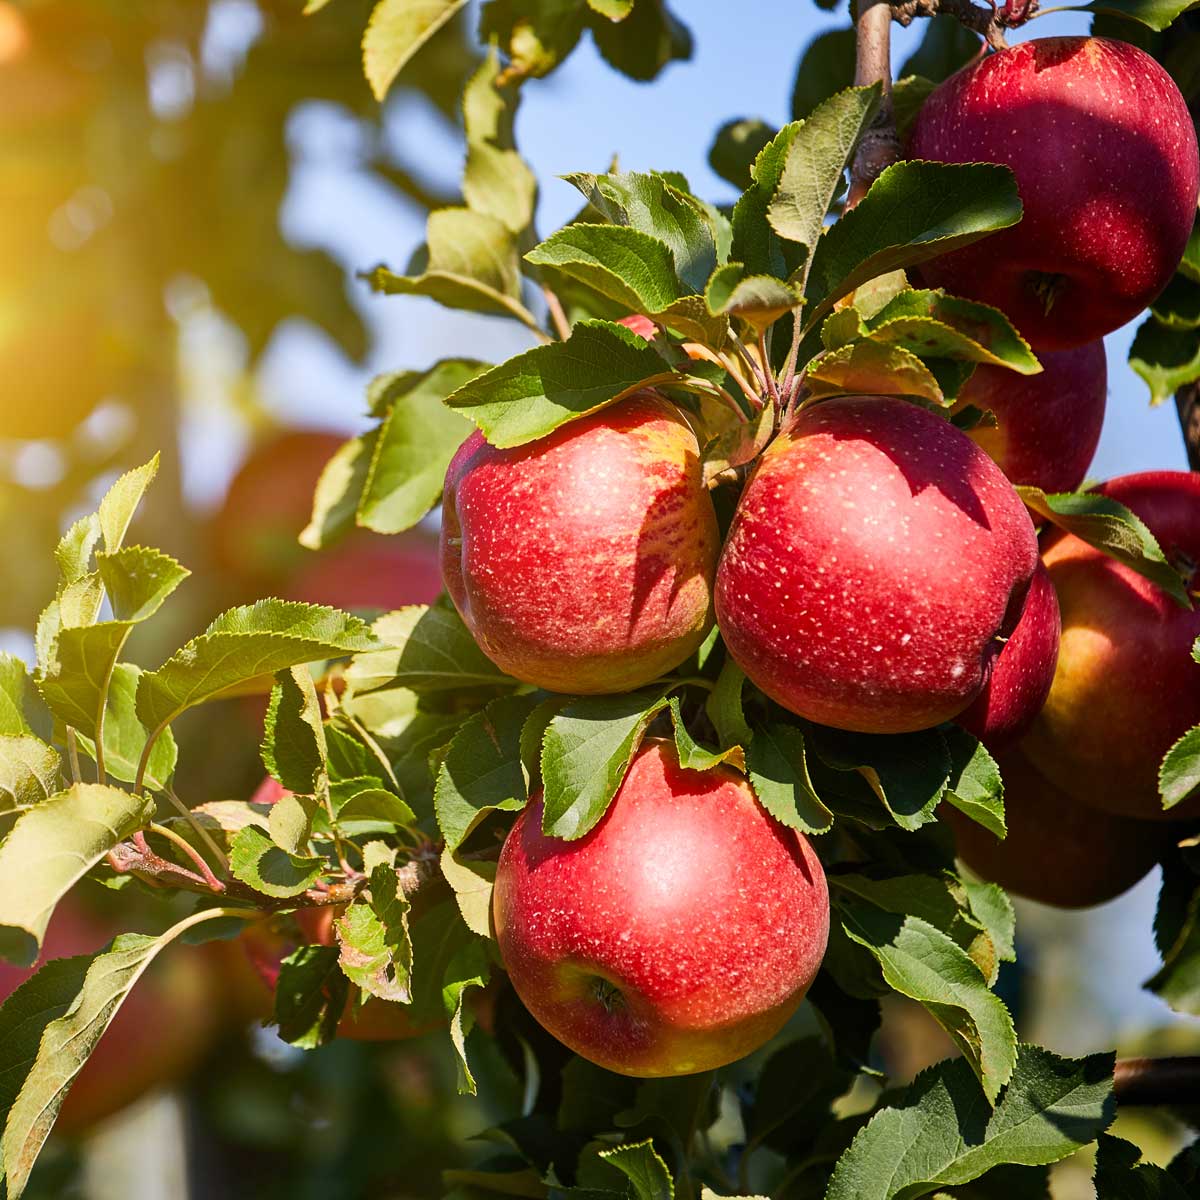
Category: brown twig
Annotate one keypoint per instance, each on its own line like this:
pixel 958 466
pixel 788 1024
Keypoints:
pixel 880 145
pixel 1187 402
pixel 1154 1081
pixel 990 23
pixel 557 313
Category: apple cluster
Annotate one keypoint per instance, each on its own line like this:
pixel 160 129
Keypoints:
pixel 880 574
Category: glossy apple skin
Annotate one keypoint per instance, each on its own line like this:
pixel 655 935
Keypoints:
pixel 875 556
pixel 676 936
pixel 1126 687
pixel 1022 672
pixel 1048 425
pixel 1057 851
pixel 583 562
pixel 1104 152
pixel 160 1032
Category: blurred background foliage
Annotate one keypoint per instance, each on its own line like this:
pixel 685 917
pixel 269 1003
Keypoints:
pixel 153 272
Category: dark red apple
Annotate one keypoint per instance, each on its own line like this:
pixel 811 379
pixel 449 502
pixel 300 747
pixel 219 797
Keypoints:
pixel 372 574
pixel 1048 425
pixel 1022 672
pixel 1104 152
pixel 583 562
pixel 1126 687
pixel 160 1032
pixel 876 558
pixel 1057 851
pixel 678 935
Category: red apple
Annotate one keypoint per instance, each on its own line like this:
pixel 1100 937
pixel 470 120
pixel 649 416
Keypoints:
pixel 876 557
pixel 583 562
pixel 268 504
pixel 1126 687
pixel 1022 672
pixel 642 326
pixel 1057 851
pixel 1105 156
pixel 1048 425
pixel 375 574
pixel 159 1033
pixel 678 935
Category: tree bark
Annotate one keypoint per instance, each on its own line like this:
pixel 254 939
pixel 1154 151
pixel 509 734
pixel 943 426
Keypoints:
pixel 1153 1081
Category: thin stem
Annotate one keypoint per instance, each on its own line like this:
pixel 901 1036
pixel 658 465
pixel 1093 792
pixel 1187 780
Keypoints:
pixel 759 371
pixel 1187 404
pixel 201 832
pixel 1155 1081
pixel 192 853
pixel 765 355
pixel 561 325
pixel 73 755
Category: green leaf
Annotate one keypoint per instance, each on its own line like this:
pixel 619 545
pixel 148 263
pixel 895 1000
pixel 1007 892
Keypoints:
pixel 1121 1175
pixel 290 822
pixel 925 964
pixel 430 650
pixel 260 864
pixel 908 773
pixel 775 761
pixel 651 205
pixel 469 968
pixel 913 212
pixel 414 445
pixel 242 644
pixel 827 66
pixel 736 145
pixel 640 1163
pixel 586 751
pixel 74 680
pixel 338 492
pixel 614 10
pixel 1178 306
pixel 1179 774
pixel 69 1039
pixel 1167 359
pixel 294 748
pixel 871 368
pixel 121 502
pixel 1112 528
pixel 994 911
pixel 908 94
pixel 1177 936
pixel 51 847
pixel 14 684
pixel 815 165
pixel 934 325
pixel 375 948
pixel 755 243
pixel 724 706
pixel 695 757
pixel 975 787
pixel 759 299
pixel 481 772
pixel 942 1135
pixel 1155 14
pixel 534 393
pixel 396 31
pixel 470 263
pixel 496 180
pixel 642 44
pixel 536 37
pixel 310 996
pixel 29 772
pixel 73 554
pixel 125 735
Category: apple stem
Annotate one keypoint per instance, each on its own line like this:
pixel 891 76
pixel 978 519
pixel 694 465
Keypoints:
pixel 990 23
pixel 205 870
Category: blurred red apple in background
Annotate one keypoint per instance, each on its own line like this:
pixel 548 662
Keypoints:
pixel 583 562
pixel 1104 152
pixel 876 556
pixel 160 1032
pixel 1048 425
pixel 1126 687
pixel 676 936
pixel 1057 851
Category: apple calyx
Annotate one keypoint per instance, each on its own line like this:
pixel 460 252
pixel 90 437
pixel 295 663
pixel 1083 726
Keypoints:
pixel 1047 286
pixel 608 994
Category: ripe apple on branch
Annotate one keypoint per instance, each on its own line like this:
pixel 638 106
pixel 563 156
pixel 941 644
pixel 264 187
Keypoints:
pixel 751 562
